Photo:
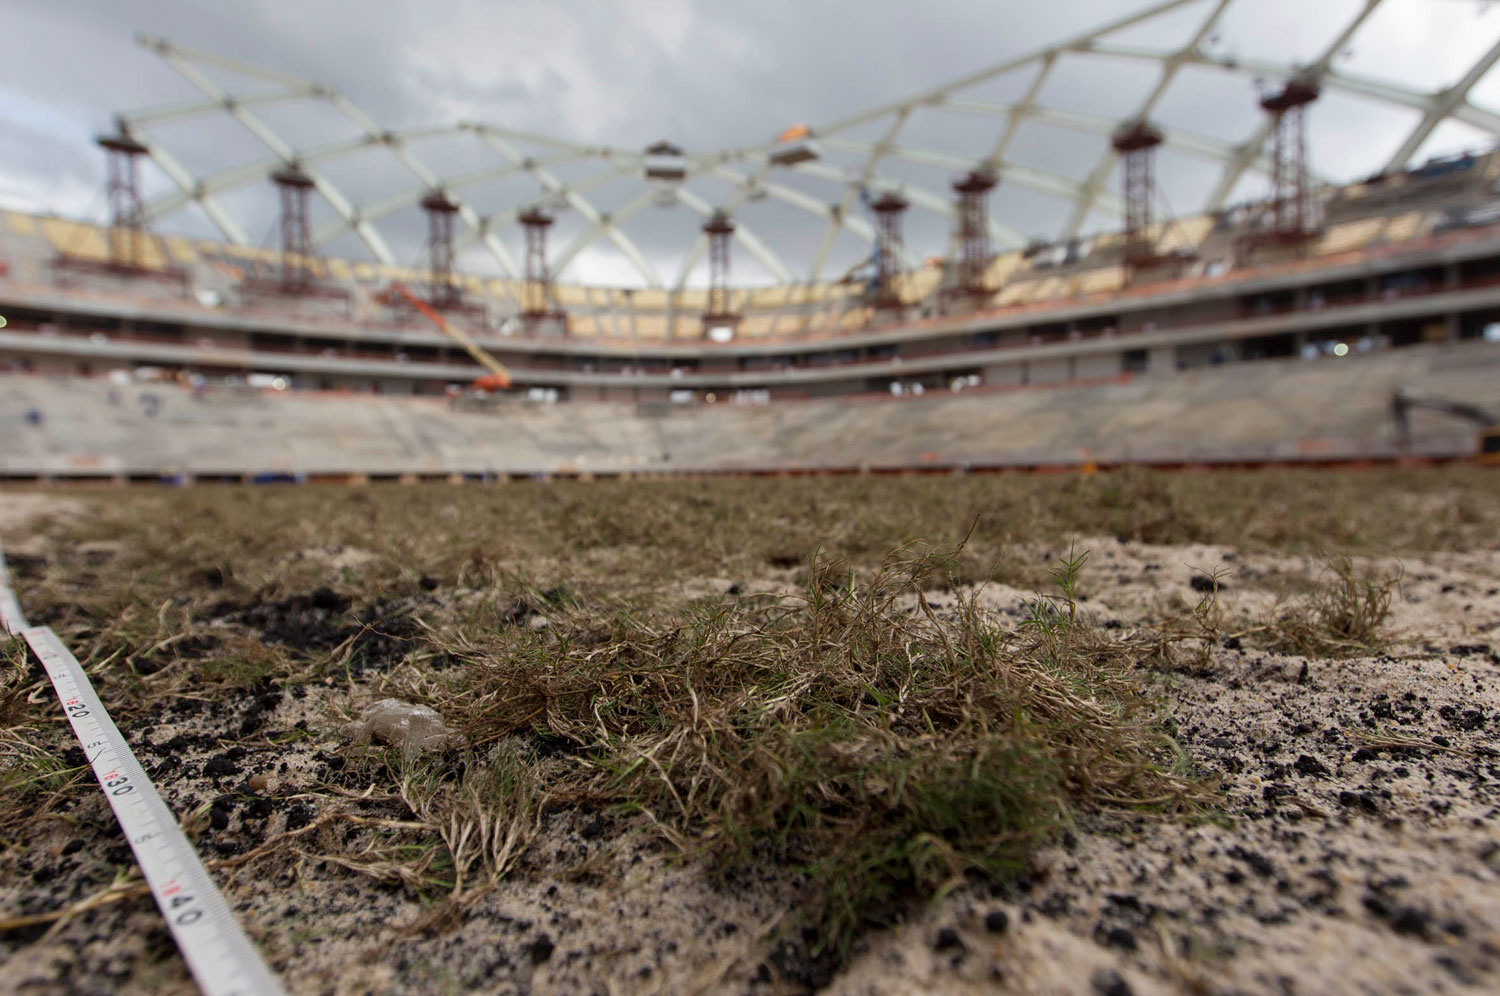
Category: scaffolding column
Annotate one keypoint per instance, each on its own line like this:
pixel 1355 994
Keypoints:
pixel 440 208
pixel 536 292
pixel 1291 210
pixel 719 229
pixel 1136 143
pixel 973 230
pixel 127 211
pixel 292 185
pixel 889 248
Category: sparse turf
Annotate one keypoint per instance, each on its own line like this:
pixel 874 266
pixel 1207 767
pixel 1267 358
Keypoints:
pixel 800 673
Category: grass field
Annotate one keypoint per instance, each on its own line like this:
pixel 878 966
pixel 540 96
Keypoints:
pixel 885 690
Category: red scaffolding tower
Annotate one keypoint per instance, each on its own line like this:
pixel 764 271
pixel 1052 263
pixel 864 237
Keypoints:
pixel 719 229
pixel 536 291
pixel 973 231
pixel 889 249
pixel 292 186
pixel 1290 217
pixel 127 211
pixel 440 208
pixel 1136 143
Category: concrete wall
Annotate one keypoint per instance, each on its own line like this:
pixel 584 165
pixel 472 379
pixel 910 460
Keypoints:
pixel 1269 410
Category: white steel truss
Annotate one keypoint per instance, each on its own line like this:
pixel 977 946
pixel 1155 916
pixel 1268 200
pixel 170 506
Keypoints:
pixel 748 173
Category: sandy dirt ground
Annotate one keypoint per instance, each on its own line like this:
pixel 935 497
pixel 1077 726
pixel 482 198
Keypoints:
pixel 1354 847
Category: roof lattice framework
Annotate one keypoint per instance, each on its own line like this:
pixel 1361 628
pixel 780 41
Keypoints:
pixel 861 154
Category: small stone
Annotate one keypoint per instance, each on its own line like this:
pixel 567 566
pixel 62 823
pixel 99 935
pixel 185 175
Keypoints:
pixel 946 940
pixel 996 921
pixel 541 949
pixel 1410 920
pixel 259 783
pixel 1107 982
pixel 1310 766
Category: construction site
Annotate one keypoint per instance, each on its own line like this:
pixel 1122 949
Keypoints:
pixel 1033 533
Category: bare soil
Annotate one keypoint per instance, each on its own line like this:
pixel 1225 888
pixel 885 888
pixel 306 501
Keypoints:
pixel 1351 845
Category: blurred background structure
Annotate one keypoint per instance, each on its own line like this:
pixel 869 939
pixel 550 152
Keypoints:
pixel 1122 246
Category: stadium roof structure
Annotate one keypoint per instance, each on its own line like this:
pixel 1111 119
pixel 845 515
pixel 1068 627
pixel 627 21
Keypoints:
pixel 858 157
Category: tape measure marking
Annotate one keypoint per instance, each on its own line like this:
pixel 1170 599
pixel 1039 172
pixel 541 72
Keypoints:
pixel 222 959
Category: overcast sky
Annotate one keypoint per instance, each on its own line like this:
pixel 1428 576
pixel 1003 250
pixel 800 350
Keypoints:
pixel 708 74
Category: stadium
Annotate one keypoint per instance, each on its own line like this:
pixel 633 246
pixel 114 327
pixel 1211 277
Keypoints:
pixel 1027 531
pixel 915 292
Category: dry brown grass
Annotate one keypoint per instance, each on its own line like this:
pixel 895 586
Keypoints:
pixel 887 742
pixel 886 749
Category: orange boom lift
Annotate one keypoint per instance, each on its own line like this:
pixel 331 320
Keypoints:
pixel 498 377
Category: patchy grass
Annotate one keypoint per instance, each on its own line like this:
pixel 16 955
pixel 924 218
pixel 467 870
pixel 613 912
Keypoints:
pixel 885 749
pixel 1344 615
pixel 830 707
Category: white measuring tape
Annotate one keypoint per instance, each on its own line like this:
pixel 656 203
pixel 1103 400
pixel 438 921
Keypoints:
pixel 222 959
pixel 11 619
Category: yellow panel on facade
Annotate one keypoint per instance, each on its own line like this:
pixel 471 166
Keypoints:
pixel 650 297
pixel 20 224
pixel 921 283
pixel 692 300
pixel 1403 227
pixel 787 324
pixel 1018 292
pixel 1185 233
pixel 150 254
pixel 1051 288
pixel 339 269
pixel 767 297
pixel 571 295
pixel 583 325
pixel 73 239
pixel 753 326
pixel 855 318
pixel 652 326
pixel 1102 281
pixel 181 250
pixel 1001 267
pixel 1349 236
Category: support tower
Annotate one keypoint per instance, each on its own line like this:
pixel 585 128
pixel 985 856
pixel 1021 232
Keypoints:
pixel 292 185
pixel 536 293
pixel 440 208
pixel 1136 143
pixel 1291 217
pixel 719 229
pixel 889 248
pixel 127 211
pixel 973 230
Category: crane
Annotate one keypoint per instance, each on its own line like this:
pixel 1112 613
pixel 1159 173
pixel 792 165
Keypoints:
pixel 498 377
pixel 1403 401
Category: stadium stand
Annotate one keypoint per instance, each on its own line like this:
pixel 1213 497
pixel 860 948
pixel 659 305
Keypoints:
pixel 1289 410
